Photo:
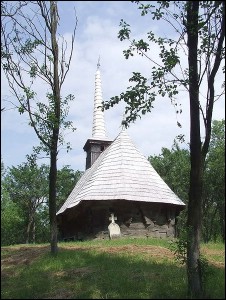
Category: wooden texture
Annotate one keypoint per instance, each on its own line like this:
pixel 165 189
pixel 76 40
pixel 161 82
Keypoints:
pixel 121 172
pixel 90 220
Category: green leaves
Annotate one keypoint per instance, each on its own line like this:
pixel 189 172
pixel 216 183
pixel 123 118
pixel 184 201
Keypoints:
pixel 214 184
pixel 32 53
pixel 124 33
pixel 25 193
pixel 21 110
pixel 29 46
pixel 173 166
pixel 138 99
pixel 179 247
pixel 169 58
pixel 33 71
pixel 66 180
pixel 29 93
pixel 149 8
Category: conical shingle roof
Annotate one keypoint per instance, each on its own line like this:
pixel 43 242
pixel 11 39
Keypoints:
pixel 121 172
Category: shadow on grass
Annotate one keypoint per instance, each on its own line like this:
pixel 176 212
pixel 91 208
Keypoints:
pixel 89 274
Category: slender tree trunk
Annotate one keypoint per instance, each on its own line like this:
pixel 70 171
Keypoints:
pixel 211 224
pixel 56 125
pixel 52 202
pixel 33 230
pixel 196 173
pixel 28 230
pixel 221 209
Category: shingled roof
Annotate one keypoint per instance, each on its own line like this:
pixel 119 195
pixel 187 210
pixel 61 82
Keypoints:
pixel 121 172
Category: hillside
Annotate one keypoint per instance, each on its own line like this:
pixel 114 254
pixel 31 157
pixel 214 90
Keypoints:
pixel 123 269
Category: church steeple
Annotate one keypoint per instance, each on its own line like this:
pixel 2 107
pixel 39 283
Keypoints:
pixel 99 141
pixel 98 131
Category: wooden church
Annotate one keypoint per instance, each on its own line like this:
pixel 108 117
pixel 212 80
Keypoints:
pixel 120 194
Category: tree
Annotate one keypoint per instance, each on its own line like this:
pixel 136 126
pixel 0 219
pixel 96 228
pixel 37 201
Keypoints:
pixel 173 166
pixel 214 185
pixel 24 200
pixel 32 53
pixel 11 220
pixel 66 180
pixel 27 185
pixel 200 27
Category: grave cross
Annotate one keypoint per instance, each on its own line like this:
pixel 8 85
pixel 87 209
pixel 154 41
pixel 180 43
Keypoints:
pixel 112 218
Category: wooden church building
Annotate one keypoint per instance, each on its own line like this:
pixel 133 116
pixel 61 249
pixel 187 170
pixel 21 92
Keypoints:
pixel 120 194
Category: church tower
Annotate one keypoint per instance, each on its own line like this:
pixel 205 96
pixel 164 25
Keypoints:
pixel 99 141
pixel 120 183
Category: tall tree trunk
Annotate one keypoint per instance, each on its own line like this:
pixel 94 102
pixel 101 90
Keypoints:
pixel 52 202
pixel 56 125
pixel 196 173
pixel 28 230
pixel 221 209
pixel 211 224
pixel 33 230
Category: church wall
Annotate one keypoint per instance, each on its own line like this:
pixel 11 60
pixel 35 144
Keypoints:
pixel 90 220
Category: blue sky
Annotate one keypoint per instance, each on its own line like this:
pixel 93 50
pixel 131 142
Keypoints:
pixel 96 34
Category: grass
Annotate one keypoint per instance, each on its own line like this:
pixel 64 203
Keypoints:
pixel 117 269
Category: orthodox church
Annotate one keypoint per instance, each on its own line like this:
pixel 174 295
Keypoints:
pixel 120 194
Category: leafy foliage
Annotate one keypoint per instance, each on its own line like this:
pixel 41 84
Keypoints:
pixel 66 180
pixel 179 247
pixel 214 185
pixel 168 76
pixel 25 201
pixel 173 165
pixel 11 219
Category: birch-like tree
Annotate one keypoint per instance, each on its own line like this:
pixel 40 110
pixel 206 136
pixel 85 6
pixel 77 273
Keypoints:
pixel 36 60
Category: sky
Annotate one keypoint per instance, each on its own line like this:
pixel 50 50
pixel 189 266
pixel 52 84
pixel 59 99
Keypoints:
pixel 96 35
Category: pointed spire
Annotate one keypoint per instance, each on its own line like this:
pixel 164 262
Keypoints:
pixel 98 131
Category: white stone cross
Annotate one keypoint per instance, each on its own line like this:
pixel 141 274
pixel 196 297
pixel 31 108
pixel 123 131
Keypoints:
pixel 113 228
pixel 112 218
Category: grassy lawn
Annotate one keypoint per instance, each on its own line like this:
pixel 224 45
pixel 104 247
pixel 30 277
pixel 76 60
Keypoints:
pixel 117 269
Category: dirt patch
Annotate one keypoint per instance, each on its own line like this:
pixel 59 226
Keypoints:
pixel 210 253
pixel 25 255
pixel 156 251
pixel 19 256
pixel 22 255
pixel 78 272
pixel 213 252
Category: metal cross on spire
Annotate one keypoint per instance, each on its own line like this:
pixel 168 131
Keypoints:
pixel 98 63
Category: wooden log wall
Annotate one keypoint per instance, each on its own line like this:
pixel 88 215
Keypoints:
pixel 90 220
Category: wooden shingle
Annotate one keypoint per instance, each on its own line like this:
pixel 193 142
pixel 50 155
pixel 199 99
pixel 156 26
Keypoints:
pixel 121 172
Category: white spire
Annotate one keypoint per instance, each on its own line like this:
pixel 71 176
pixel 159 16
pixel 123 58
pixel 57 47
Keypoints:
pixel 98 131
